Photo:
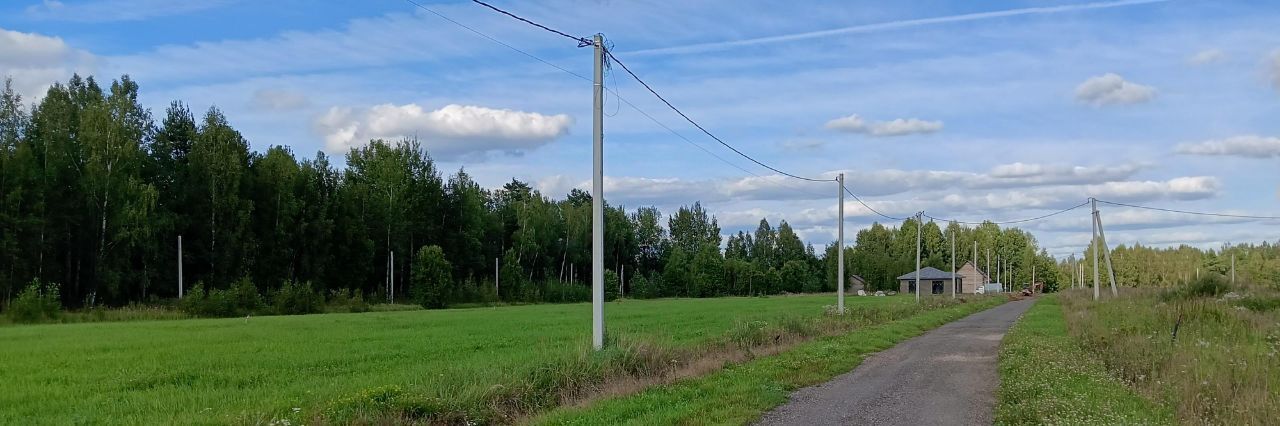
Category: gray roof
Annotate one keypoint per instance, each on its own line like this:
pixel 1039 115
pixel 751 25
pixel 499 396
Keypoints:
pixel 929 273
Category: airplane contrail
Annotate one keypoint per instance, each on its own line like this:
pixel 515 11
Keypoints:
pixel 883 26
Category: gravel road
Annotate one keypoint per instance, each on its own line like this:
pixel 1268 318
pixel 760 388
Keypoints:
pixel 944 377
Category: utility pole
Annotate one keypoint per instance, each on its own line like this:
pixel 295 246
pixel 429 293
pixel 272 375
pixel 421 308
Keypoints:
pixel 919 227
pixel 391 289
pixel 179 266
pixel 622 280
pixel 495 280
pixel 989 270
pixel 1094 204
pixel 1033 276
pixel 597 199
pixel 1106 252
pixel 953 264
pixel 840 250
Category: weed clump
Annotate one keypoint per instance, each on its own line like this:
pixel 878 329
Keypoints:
pixel 38 302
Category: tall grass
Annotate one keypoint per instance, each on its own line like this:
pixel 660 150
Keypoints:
pixel 1222 366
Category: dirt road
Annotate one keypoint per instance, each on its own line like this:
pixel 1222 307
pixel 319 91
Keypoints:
pixel 944 377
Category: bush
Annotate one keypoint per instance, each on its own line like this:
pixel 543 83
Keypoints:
pixel 348 300
pixel 241 299
pixel 642 288
pixel 38 302
pixel 431 277
pixel 297 298
pixel 1208 285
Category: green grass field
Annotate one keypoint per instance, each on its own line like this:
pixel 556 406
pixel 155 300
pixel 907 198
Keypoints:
pixel 260 369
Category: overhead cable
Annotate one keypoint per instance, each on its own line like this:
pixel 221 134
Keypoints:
pixel 700 127
pixel 1238 216
pixel 1012 221
pixel 868 206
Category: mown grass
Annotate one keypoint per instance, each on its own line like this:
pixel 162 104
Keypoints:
pixel 1046 378
pixel 483 364
pixel 741 393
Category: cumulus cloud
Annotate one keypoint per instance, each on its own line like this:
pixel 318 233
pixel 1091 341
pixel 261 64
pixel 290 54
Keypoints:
pixel 279 99
pixel 117 10
pixel 1250 146
pixel 446 132
pixel 35 61
pixel 1207 56
pixel 895 127
pixel 1112 89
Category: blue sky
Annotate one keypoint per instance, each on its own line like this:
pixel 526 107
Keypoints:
pixel 968 110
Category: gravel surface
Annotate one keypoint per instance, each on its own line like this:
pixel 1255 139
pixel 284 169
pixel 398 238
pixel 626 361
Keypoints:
pixel 944 377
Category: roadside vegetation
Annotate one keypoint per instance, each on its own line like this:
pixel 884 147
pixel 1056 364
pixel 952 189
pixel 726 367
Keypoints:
pixel 479 365
pixel 1204 353
pixel 741 393
pixel 1047 378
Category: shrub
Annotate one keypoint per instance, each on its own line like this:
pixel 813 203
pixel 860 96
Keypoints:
pixel 38 302
pixel 1208 285
pixel 297 298
pixel 241 299
pixel 431 277
pixel 348 300
pixel 642 288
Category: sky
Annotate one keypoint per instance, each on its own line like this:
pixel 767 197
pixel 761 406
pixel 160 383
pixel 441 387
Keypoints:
pixel 996 110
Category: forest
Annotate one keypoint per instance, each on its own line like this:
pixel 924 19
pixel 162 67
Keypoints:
pixel 95 193
pixel 1140 266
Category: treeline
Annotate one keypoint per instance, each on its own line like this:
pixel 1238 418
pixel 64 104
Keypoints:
pixel 882 254
pixel 95 192
pixel 1140 266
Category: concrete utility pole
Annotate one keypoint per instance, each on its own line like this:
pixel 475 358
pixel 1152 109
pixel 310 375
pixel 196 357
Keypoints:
pixel 1106 252
pixel 840 251
pixel 179 266
pixel 1094 205
pixel 919 227
pixel 953 264
pixel 989 270
pixel 597 199
pixel 495 280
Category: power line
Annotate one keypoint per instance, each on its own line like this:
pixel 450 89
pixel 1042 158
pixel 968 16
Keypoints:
pixel 868 206
pixel 1013 221
pixel 500 42
pixel 1239 216
pixel 582 41
pixel 699 126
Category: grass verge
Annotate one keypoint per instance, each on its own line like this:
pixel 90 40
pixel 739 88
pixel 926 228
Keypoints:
pixel 1046 378
pixel 741 392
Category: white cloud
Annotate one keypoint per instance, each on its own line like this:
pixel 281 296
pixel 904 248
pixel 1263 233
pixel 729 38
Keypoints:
pixel 117 10
pixel 35 61
pixel 279 99
pixel 1250 146
pixel 446 132
pixel 895 127
pixel 1207 56
pixel 1112 89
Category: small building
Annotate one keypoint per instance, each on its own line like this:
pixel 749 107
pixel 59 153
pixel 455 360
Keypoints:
pixel 972 276
pixel 933 280
pixel 855 283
